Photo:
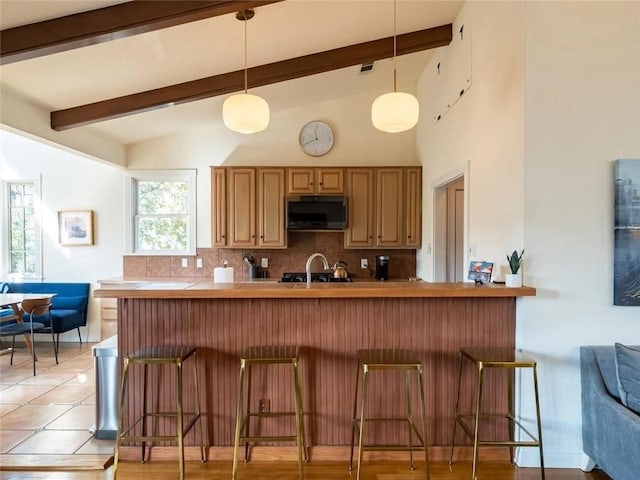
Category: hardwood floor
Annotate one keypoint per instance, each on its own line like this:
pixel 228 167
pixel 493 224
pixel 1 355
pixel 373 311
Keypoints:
pixel 313 471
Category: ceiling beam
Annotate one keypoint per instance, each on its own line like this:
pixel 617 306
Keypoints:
pixel 109 23
pixel 257 76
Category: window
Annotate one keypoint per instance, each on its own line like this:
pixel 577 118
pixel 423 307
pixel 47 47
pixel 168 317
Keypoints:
pixel 22 239
pixel 162 212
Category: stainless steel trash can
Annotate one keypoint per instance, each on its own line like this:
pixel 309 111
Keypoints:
pixel 105 360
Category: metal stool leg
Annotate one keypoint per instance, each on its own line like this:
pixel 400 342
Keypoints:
pixel 144 411
pixel 198 411
pixel 362 418
pixel 239 420
pixel 409 419
pixel 456 412
pixel 535 386
pixel 477 422
pixel 353 418
pixel 425 437
pixel 123 387
pixel 247 418
pixel 302 454
pixel 180 427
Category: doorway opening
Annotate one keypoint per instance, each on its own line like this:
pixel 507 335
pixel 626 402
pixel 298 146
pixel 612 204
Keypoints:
pixel 449 231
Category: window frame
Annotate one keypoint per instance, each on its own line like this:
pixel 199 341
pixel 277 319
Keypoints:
pixel 132 178
pixel 6 219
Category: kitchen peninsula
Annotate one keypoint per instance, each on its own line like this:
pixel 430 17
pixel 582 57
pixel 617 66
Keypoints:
pixel 329 322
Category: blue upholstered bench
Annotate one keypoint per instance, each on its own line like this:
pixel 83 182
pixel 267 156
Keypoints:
pixel 69 305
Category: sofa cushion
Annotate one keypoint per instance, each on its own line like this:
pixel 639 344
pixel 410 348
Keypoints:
pixel 606 361
pixel 628 372
pixel 68 303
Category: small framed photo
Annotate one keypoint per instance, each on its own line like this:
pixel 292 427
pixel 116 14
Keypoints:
pixel 75 227
pixel 480 271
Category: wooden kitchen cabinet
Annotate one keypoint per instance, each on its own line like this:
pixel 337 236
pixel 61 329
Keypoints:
pixel 413 210
pixel 384 207
pixel 248 207
pixel 271 200
pixel 241 198
pixel 315 180
pixel 219 207
pixel 360 224
pixel 389 211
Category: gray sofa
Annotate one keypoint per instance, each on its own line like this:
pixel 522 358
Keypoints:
pixel 610 431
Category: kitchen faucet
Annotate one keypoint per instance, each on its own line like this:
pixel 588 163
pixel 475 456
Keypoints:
pixel 308 266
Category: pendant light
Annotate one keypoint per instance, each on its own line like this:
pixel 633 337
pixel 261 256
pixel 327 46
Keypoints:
pixel 243 112
pixel 396 111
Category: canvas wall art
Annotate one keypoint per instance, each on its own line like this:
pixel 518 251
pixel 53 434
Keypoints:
pixel 626 268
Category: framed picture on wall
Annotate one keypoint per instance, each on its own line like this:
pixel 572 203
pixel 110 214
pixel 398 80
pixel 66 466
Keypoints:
pixel 75 227
pixel 626 254
pixel 480 271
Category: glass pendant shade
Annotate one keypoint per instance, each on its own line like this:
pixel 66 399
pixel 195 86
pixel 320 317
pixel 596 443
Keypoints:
pixel 395 112
pixel 245 113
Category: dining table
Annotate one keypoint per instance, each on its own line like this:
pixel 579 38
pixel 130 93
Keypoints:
pixel 13 301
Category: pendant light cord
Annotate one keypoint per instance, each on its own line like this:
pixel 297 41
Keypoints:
pixel 244 13
pixel 394 46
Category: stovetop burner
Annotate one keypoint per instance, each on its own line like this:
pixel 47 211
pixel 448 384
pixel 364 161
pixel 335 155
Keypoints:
pixel 325 277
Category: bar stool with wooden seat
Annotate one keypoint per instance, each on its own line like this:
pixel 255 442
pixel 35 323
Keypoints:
pixel 171 355
pixel 268 355
pixel 389 359
pixel 503 358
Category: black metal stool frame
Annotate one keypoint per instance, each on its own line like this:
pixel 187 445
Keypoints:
pixel 380 360
pixel 505 358
pixel 160 355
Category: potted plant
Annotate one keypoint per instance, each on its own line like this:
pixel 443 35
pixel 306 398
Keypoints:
pixel 514 279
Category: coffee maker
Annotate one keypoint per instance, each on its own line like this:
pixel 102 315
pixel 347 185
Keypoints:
pixel 382 267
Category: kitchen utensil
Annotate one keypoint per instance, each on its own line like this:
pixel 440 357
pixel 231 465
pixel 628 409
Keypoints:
pixel 339 270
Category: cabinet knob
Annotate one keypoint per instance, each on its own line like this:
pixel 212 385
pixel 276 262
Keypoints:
pixel 379 236
pixel 223 236
pixel 370 237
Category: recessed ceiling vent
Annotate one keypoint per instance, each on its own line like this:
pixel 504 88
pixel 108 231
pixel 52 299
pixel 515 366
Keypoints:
pixel 366 68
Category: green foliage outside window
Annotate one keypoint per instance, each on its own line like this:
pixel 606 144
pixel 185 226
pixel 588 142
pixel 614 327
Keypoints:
pixel 22 228
pixel 162 216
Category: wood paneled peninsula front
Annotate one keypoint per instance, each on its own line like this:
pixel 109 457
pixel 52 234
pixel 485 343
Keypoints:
pixel 329 322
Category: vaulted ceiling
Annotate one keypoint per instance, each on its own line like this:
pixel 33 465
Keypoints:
pixel 114 67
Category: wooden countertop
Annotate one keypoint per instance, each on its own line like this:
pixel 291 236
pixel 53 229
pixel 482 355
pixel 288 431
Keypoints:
pixel 196 288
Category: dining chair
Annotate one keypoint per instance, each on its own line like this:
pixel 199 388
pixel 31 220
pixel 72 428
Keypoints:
pixel 32 310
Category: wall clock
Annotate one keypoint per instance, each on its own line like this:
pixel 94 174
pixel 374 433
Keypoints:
pixel 316 138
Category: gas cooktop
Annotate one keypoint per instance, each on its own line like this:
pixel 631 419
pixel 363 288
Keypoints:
pixel 315 277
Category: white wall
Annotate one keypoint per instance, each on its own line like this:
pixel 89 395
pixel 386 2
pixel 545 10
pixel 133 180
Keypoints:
pixel 482 133
pixel 554 101
pixel 582 113
pixel 71 182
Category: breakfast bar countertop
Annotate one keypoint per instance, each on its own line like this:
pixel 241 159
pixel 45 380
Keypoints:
pixel 199 288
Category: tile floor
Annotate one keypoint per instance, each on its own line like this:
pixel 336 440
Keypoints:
pixel 53 412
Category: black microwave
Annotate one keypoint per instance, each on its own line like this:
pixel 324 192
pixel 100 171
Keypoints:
pixel 316 212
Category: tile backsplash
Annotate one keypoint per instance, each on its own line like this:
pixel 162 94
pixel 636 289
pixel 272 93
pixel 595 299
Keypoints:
pixel 402 263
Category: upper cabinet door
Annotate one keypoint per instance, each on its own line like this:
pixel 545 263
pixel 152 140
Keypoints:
pixel 271 200
pixel 413 207
pixel 315 180
pixel 359 232
pixel 329 180
pixel 241 183
pixel 219 207
pixel 389 207
pixel 300 181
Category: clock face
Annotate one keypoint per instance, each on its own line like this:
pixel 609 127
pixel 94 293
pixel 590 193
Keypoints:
pixel 316 138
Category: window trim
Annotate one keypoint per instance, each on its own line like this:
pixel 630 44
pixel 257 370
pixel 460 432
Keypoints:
pixel 5 218
pixel 131 179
